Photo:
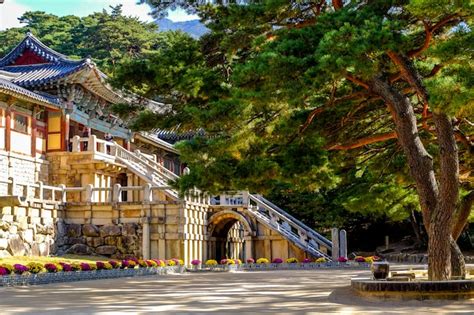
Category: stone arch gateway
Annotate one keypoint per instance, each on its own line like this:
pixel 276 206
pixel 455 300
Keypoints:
pixel 230 235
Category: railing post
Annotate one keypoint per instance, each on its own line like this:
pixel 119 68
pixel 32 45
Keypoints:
pixel 92 145
pixel 76 144
pixel 147 193
pixel 11 186
pixel 117 193
pixel 245 198
pixel 89 193
pixel 63 193
pixel 335 243
pixel 40 190
pixel 343 244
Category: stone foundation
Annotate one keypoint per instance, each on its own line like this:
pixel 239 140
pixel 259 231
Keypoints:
pixel 111 240
pixel 29 229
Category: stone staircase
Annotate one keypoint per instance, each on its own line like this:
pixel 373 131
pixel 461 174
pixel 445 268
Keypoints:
pixel 258 207
pixel 289 227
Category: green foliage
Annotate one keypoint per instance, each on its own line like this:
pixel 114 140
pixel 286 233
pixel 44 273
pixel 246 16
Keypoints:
pixel 252 83
pixel 106 37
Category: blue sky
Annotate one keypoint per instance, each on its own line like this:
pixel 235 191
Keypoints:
pixel 10 10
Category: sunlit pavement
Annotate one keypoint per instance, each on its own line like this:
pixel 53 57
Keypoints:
pixel 282 292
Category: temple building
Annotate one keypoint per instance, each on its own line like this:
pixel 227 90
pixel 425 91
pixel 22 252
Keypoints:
pixel 75 179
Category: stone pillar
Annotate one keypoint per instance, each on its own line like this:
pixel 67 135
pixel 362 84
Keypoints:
pixel 335 243
pixel 146 237
pixel 343 244
pixel 248 248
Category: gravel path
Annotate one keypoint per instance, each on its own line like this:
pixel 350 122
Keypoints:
pixel 282 292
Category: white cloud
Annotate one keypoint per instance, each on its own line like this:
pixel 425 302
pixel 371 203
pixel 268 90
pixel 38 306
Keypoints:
pixel 9 13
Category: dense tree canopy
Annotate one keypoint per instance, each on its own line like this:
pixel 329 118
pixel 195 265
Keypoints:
pixel 312 93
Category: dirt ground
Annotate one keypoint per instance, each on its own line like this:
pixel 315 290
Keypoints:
pixel 281 292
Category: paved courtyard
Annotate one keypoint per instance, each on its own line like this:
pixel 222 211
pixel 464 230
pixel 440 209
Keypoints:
pixel 282 292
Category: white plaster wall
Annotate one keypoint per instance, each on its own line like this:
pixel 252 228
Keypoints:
pixel 20 143
pixel 2 137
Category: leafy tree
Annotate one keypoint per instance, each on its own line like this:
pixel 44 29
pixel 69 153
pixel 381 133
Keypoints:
pixel 106 37
pixel 281 86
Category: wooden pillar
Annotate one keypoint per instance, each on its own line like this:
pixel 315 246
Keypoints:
pixel 33 132
pixel 8 126
pixel 65 132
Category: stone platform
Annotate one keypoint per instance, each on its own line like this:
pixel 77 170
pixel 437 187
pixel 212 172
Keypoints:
pixel 414 290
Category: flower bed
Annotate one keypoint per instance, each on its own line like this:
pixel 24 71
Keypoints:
pixel 36 273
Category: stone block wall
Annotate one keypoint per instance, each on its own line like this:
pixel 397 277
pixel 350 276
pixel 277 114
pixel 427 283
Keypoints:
pixel 111 240
pixel 29 229
pixel 23 168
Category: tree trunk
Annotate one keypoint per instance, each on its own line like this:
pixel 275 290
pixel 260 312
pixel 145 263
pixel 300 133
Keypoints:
pixel 438 203
pixel 458 264
pixel 441 222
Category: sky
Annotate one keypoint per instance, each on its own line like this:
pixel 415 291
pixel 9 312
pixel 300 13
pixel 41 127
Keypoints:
pixel 11 10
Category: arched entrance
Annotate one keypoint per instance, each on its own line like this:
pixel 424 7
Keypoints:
pixel 230 236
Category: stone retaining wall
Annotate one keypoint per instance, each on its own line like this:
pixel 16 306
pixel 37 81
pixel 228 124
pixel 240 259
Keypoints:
pixel 29 229
pixel 112 240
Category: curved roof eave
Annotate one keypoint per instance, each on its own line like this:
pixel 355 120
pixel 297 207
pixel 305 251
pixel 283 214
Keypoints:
pixel 14 90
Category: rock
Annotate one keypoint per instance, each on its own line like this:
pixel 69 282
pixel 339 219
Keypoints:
pixel 3 243
pixel 61 227
pixel 76 240
pixel 27 236
pixel 73 230
pixel 40 249
pixel 111 240
pixel 4 225
pixel 47 229
pixel 129 229
pixel 4 253
pixel 110 230
pixel 106 250
pixel 40 238
pixel 90 230
pixel 80 249
pixel 22 223
pixel 129 241
pixel 95 241
pixel 16 247
pixel 13 229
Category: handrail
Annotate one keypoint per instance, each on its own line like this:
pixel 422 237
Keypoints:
pixel 290 218
pixel 293 237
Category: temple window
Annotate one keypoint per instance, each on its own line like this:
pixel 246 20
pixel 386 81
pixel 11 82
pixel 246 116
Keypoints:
pixel 20 123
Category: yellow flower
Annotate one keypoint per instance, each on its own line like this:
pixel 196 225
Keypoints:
pixel 211 262
pixel 262 261
pixel 292 260
pixel 321 260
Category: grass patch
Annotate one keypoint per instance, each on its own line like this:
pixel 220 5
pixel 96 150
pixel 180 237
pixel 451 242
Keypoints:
pixel 56 259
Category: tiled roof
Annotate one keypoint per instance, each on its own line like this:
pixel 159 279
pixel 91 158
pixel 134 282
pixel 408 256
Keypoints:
pixel 34 75
pixel 32 43
pixel 10 88
pixel 172 137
